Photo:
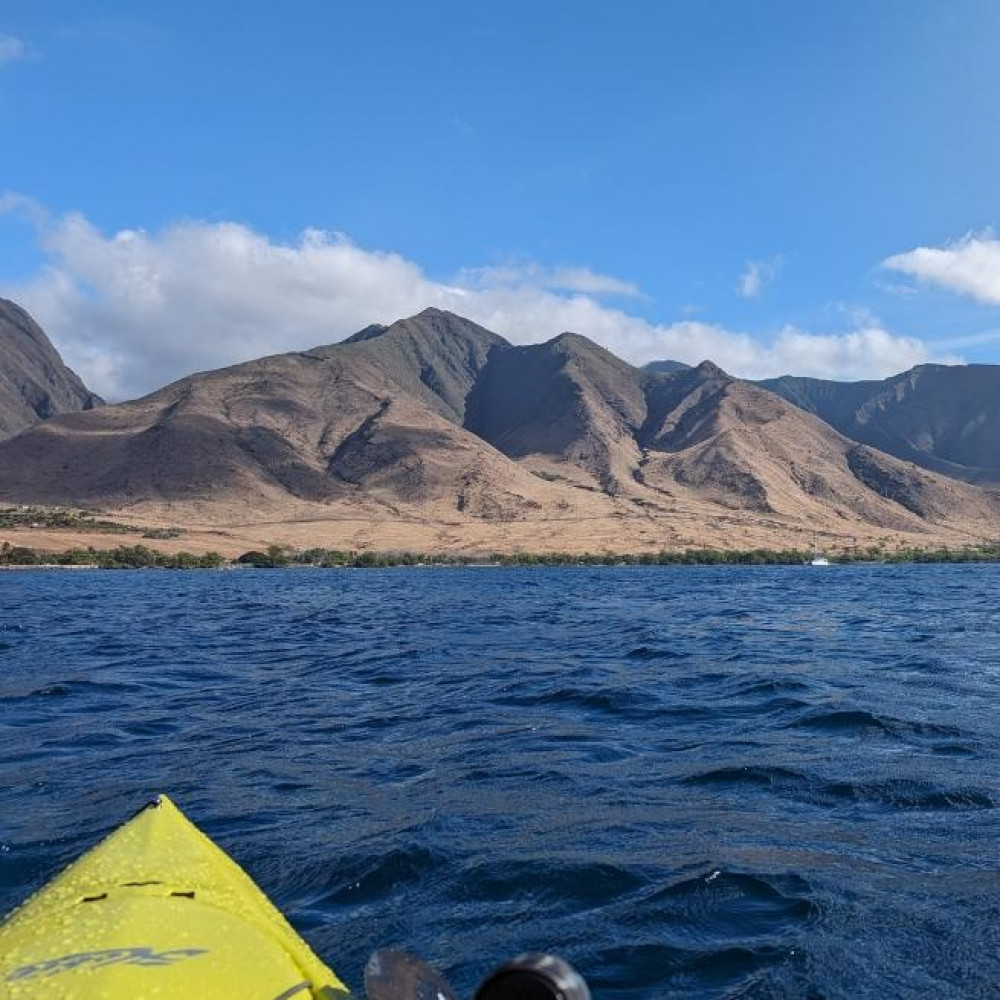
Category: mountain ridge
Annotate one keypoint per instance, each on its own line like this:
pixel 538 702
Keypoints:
pixel 945 418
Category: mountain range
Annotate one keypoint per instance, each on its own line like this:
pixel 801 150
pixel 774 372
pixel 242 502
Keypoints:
pixel 943 417
pixel 435 433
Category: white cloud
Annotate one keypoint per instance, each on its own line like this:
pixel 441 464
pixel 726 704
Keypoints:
pixel 758 275
pixel 559 279
pixel 969 266
pixel 133 310
pixel 12 49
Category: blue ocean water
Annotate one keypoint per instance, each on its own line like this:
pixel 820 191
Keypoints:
pixel 692 782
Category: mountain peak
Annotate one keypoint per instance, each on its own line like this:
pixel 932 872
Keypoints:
pixel 709 369
pixel 441 323
pixel 569 337
pixel 577 345
pixel 432 312
pixel 370 332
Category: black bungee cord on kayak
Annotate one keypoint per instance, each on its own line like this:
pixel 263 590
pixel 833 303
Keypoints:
pixel 396 975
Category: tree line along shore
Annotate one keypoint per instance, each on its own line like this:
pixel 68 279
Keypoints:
pixel 281 557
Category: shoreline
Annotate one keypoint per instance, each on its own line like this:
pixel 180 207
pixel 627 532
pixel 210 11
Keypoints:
pixel 277 557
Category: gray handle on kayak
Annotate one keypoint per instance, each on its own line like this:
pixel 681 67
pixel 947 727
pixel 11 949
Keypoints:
pixel 397 975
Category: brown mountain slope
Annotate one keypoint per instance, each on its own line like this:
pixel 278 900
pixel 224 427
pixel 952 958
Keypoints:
pixel 375 418
pixel 943 417
pixel 34 382
pixel 568 406
pixel 744 447
pixel 434 432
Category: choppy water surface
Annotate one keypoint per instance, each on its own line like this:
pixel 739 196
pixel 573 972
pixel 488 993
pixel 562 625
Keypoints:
pixel 694 783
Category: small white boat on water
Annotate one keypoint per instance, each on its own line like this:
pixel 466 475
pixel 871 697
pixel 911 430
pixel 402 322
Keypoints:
pixel 819 561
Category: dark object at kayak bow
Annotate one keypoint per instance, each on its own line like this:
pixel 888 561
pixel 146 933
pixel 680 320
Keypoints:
pixel 534 977
pixel 396 975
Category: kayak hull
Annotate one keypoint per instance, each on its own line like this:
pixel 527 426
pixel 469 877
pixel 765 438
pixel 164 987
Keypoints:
pixel 157 910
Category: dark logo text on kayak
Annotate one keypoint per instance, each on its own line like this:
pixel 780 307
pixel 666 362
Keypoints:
pixel 99 959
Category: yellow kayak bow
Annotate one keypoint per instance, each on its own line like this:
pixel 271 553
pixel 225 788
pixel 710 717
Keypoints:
pixel 156 910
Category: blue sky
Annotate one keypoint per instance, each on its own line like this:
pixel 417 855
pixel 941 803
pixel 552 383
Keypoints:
pixel 514 156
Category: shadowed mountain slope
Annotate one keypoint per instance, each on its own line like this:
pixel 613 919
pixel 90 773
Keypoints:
pixel 34 382
pixel 435 356
pixel 943 417
pixel 568 401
